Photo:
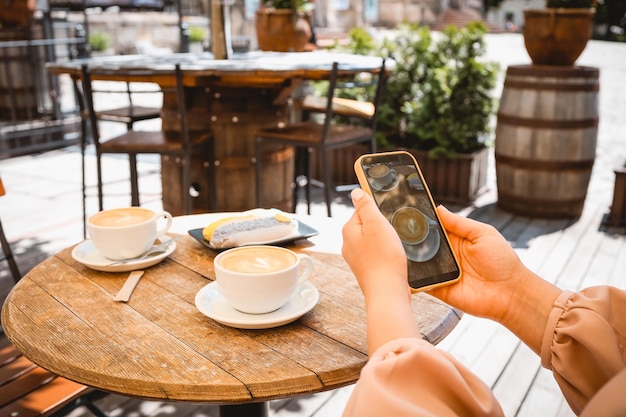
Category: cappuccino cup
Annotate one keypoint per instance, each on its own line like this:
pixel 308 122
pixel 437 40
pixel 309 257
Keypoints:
pixel 260 279
pixel 125 233
pixel 411 225
pixel 381 174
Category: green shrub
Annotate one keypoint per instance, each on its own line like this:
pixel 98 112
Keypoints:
pixel 439 96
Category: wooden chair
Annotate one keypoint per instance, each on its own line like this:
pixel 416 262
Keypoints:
pixel 130 113
pixel 6 248
pixel 159 142
pixel 308 135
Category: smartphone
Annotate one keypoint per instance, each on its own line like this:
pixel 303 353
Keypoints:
pixel 397 185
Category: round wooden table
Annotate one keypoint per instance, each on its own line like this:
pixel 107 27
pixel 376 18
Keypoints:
pixel 233 99
pixel 158 346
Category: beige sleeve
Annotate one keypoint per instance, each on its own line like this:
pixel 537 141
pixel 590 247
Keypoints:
pixel 410 377
pixel 584 344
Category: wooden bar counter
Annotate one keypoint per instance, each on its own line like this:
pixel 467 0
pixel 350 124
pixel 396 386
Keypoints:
pixel 233 99
pixel 62 316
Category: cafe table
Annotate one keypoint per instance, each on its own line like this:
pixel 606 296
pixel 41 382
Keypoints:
pixel 232 99
pixel 159 346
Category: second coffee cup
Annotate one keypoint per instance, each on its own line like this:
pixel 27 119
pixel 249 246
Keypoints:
pixel 126 233
pixel 260 279
pixel 382 175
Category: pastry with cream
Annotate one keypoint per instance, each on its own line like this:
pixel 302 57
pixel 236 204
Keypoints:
pixel 253 227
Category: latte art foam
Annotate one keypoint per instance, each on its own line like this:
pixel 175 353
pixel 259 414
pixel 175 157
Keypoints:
pixel 257 261
pixel 121 217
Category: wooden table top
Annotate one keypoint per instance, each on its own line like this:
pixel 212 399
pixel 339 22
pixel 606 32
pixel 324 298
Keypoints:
pixel 256 67
pixel 62 316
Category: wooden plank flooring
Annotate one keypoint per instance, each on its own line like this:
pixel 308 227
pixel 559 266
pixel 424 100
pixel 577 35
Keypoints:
pixel 41 214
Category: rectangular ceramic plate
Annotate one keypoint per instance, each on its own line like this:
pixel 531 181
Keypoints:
pixel 304 231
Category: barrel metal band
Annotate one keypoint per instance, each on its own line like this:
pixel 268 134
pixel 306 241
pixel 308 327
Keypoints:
pixel 526 85
pixel 553 71
pixel 531 203
pixel 543 165
pixel 547 124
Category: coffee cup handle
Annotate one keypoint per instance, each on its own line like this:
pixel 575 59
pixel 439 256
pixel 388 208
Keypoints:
pixel 168 224
pixel 308 267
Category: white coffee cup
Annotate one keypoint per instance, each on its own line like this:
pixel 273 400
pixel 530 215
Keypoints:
pixel 381 174
pixel 411 225
pixel 260 279
pixel 125 233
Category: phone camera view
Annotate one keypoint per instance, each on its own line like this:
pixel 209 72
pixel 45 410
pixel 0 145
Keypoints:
pixel 402 198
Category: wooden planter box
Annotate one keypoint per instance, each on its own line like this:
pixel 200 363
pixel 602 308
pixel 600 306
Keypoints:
pixel 617 215
pixel 457 180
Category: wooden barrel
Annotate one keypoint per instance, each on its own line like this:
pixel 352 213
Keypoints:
pixel 232 115
pixel 546 139
pixel 18 96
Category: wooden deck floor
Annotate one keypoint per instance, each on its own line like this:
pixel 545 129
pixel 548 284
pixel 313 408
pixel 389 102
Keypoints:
pixel 42 214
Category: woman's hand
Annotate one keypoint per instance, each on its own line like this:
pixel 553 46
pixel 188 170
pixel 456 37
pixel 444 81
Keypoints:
pixel 376 256
pixel 373 249
pixel 494 282
pixel 491 270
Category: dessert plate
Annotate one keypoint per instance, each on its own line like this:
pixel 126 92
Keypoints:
pixel 302 231
pixel 211 303
pixel 87 254
pixel 426 250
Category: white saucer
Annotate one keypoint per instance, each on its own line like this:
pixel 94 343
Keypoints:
pixel 87 254
pixel 211 303
pixel 426 250
pixel 394 183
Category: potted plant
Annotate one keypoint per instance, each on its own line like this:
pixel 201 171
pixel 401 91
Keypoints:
pixel 558 34
pixel 100 44
pixel 284 25
pixel 196 37
pixel 437 104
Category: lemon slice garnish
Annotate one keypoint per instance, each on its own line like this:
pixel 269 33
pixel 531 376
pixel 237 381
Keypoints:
pixel 208 231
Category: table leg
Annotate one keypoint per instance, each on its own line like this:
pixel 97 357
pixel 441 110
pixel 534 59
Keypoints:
pixel 245 410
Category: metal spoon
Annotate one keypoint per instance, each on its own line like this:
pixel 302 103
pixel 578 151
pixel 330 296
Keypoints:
pixel 154 250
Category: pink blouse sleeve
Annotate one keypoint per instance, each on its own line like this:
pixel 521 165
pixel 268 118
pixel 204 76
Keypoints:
pixel 410 377
pixel 584 344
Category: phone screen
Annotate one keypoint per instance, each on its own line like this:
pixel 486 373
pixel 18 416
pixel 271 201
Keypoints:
pixel 397 186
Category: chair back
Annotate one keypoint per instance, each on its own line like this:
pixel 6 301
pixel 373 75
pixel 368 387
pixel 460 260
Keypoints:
pixel 365 111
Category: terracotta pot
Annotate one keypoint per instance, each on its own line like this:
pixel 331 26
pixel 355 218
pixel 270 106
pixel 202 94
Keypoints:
pixel 17 12
pixel 556 36
pixel 282 30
